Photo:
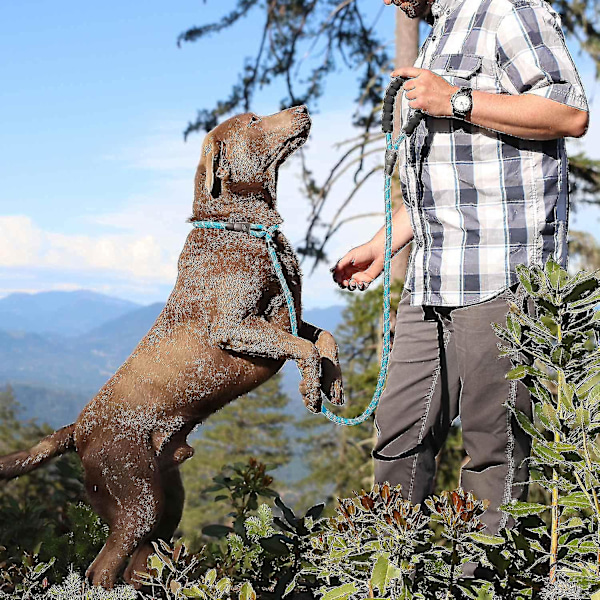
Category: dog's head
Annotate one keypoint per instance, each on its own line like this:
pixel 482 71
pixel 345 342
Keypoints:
pixel 241 157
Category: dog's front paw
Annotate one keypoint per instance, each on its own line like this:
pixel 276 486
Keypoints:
pixel 331 381
pixel 331 374
pixel 311 394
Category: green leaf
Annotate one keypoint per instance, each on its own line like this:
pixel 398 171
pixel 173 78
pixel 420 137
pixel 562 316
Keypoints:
pixel 525 278
pixel 217 530
pixel 549 323
pixel 560 356
pixel 487 540
pixel 315 511
pixel 288 513
pixel 514 326
pixel 587 285
pixel 384 572
pixel 567 392
pixel 553 273
pixel 593 396
pixel 193 592
pixel 247 592
pixel 156 563
pixel 223 585
pixel 523 509
pixel 526 425
pixel 517 373
pixel 210 577
pixel 551 414
pixel 574 500
pixel 545 453
pixel 585 303
pixel 291 585
pixel 274 546
pixel 341 593
pixel 582 417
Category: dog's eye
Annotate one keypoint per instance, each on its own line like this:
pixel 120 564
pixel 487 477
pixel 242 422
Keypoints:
pixel 254 119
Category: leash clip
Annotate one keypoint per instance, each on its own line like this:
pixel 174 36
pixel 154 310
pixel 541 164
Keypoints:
pixel 391 156
pixel 238 226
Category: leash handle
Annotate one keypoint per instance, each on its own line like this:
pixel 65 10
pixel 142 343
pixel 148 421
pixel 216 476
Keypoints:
pixel 387 115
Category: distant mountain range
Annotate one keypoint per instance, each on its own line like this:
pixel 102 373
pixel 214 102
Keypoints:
pixel 58 348
pixel 65 313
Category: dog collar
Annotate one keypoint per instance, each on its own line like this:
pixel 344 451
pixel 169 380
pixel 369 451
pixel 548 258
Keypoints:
pixel 254 229
pixel 259 231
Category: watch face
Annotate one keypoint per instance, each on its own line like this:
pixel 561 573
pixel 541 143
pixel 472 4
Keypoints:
pixel 462 103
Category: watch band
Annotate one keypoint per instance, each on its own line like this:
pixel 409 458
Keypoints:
pixel 457 112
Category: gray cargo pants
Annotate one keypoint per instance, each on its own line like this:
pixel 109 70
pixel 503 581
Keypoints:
pixel 444 362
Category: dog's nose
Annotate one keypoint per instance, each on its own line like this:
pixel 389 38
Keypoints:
pixel 301 110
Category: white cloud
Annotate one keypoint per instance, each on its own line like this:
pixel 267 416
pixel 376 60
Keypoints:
pixel 20 242
pixel 25 244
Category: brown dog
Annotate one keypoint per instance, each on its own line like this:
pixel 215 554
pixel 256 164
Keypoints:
pixel 225 329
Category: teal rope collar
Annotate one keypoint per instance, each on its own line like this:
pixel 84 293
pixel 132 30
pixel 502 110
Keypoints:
pixel 266 233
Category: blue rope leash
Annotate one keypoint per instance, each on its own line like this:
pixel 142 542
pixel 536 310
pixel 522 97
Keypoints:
pixel 260 231
pixel 391 153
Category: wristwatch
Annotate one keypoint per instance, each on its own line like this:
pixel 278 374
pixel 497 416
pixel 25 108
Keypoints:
pixel 462 102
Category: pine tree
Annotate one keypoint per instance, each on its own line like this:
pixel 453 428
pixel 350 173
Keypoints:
pixel 33 503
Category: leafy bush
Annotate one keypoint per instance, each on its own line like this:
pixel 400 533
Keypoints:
pixel 381 546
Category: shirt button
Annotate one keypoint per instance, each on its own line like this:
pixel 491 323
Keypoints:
pixel 433 38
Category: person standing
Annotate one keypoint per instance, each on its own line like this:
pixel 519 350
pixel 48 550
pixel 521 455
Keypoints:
pixel 484 180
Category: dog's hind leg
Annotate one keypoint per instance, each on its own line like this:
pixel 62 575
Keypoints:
pixel 331 374
pixel 125 487
pixel 171 516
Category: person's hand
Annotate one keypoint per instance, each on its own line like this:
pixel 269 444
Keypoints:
pixel 359 267
pixel 427 91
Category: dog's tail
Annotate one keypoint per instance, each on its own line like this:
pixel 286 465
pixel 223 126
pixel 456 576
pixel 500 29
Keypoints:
pixel 19 463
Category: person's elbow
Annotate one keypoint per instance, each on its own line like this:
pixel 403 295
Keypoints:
pixel 578 124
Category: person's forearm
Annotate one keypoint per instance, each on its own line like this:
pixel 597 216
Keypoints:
pixel 402 232
pixel 527 116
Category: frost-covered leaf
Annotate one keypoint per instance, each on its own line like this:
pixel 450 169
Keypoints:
pixel 247 592
pixel 574 500
pixel 342 592
pixel 487 540
pixel 384 572
pixel 527 425
pixel 524 509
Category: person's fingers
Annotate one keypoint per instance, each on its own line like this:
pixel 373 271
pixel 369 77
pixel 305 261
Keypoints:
pixel 407 72
pixel 342 269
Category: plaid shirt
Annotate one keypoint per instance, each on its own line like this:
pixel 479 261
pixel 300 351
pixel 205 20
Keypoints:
pixel 481 202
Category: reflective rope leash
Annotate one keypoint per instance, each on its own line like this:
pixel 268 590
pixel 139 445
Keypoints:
pixel 260 231
pixel 391 155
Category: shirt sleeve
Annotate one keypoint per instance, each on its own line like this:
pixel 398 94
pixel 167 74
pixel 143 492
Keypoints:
pixel 533 57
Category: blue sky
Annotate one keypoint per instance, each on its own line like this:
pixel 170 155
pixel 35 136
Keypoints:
pixel 96 181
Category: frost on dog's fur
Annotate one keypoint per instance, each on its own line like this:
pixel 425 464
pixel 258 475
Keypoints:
pixel 224 330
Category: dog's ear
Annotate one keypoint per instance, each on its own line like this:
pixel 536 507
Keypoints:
pixel 212 157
